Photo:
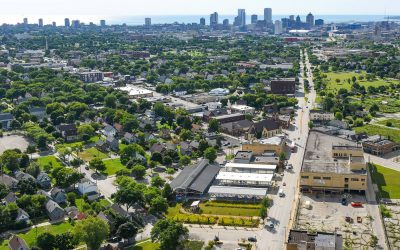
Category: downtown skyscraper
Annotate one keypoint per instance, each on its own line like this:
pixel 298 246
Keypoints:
pixel 268 15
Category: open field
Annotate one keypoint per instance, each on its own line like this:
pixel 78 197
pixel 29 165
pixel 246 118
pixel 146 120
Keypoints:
pixel 387 180
pixel 392 133
pixel 386 104
pixel 12 142
pixel 395 122
pixel 91 153
pixel 50 160
pixel 112 166
pixel 230 209
pixel 30 236
pixel 343 84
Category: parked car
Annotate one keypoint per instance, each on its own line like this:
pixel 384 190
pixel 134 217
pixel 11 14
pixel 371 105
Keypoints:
pixel 356 204
pixel 252 239
pixel 344 201
pixel 271 225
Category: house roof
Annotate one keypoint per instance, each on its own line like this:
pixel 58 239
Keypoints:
pixel 22 212
pixel 267 124
pixel 23 176
pixel 197 177
pixel 66 127
pixel 10 197
pixel 243 124
pixel 6 116
pixel 157 147
pixel 8 181
pixel 52 205
pixel 17 243
pixel 54 191
pixel 42 176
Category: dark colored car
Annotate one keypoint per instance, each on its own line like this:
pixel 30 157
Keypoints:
pixel 344 202
pixel 252 239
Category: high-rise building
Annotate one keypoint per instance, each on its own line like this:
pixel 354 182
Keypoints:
pixel 147 21
pixel 241 20
pixel 202 21
pixel 25 21
pixel 40 22
pixel 310 19
pixel 298 19
pixel 54 24
pixel 278 27
pixel 66 22
pixel 225 23
pixel 214 19
pixel 254 19
pixel 291 17
pixel 319 22
pixel 102 23
pixel 268 15
pixel 75 24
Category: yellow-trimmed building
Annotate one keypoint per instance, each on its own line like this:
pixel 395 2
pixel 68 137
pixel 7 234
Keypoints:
pixel 274 144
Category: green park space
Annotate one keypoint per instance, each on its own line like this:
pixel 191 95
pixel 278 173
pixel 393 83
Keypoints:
pixel 334 86
pixel 91 153
pixel 394 123
pixel 30 236
pixel 49 160
pixel 113 166
pixel 370 129
pixel 387 180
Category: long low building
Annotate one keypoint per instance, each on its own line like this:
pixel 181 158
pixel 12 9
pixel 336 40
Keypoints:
pixel 249 168
pixel 244 179
pixel 229 192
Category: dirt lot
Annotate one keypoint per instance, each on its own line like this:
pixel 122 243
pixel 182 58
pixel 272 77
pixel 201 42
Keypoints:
pixel 392 225
pixel 327 214
pixel 13 141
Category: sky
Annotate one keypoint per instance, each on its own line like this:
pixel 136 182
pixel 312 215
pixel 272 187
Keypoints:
pixel 12 11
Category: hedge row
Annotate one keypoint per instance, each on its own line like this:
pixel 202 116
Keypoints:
pixel 196 219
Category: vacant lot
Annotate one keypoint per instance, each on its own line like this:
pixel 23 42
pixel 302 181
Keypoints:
pixel 387 181
pixel 49 161
pixel 12 142
pixel 112 166
pixel 370 129
pixel 386 104
pixel 344 76
pixel 91 153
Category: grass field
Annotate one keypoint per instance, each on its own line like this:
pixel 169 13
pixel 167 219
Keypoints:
pixel 392 105
pixel 91 153
pixel 392 133
pixel 395 122
pixel 112 166
pixel 30 236
pixel 230 209
pixel 48 161
pixel 343 84
pixel 146 245
pixel 387 181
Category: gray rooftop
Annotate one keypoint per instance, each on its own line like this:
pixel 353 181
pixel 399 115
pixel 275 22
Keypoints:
pixel 318 154
pixel 197 177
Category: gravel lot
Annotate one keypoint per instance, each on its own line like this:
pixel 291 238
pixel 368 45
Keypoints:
pixel 12 142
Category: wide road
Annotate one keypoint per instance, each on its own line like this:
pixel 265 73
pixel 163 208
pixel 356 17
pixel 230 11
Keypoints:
pixel 282 211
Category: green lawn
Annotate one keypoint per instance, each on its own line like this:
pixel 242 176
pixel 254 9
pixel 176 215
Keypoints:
pixel 387 181
pixel 392 104
pixel 146 245
pixel 392 133
pixel 395 122
pixel 343 84
pixel 233 209
pixel 91 153
pixel 30 236
pixel 112 166
pixel 80 203
pixel 50 160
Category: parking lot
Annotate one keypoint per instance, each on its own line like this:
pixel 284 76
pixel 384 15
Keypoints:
pixel 392 224
pixel 327 214
pixel 12 142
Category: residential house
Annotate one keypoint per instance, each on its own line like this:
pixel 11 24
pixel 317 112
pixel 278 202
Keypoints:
pixel 119 128
pixel 194 145
pixel 165 133
pixel 38 112
pixel 109 130
pixel 86 186
pixel 8 181
pixel 43 180
pixel 112 143
pixel 264 129
pixel 22 216
pixel 17 243
pixel 196 128
pixel 184 148
pixel 21 176
pixel 10 198
pixel 107 219
pixel 68 131
pixel 130 138
pixel 5 120
pixel 54 211
pixel 157 147
pixel 44 193
pixel 58 195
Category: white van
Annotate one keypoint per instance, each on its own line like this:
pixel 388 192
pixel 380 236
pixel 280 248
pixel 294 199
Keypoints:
pixel 281 193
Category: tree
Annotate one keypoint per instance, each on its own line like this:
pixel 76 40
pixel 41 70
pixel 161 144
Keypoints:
pixel 86 131
pixel 156 156
pixel 127 230
pixel 3 191
pixel 129 194
pixel 310 124
pixel 65 241
pixel 167 160
pixel 71 197
pixel 97 164
pixel 168 232
pixel 138 171
pixel 213 125
pixel 167 191
pixel 210 154
pixel 158 205
pixel 110 101
pixel 27 186
pixel 130 151
pixel 338 116
pixel 157 181
pixel 66 177
pixel 185 135
pixel 10 159
pixel 46 241
pixel 184 160
pixel 93 231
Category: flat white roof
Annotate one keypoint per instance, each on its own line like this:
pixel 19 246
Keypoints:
pixel 251 166
pixel 237 190
pixel 234 176
pixel 133 90
pixel 276 140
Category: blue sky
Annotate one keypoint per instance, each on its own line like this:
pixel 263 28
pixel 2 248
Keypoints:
pixel 34 8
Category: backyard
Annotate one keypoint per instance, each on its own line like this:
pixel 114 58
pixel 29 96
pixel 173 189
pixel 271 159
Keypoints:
pixel 387 181
pixel 91 153
pixel 370 129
